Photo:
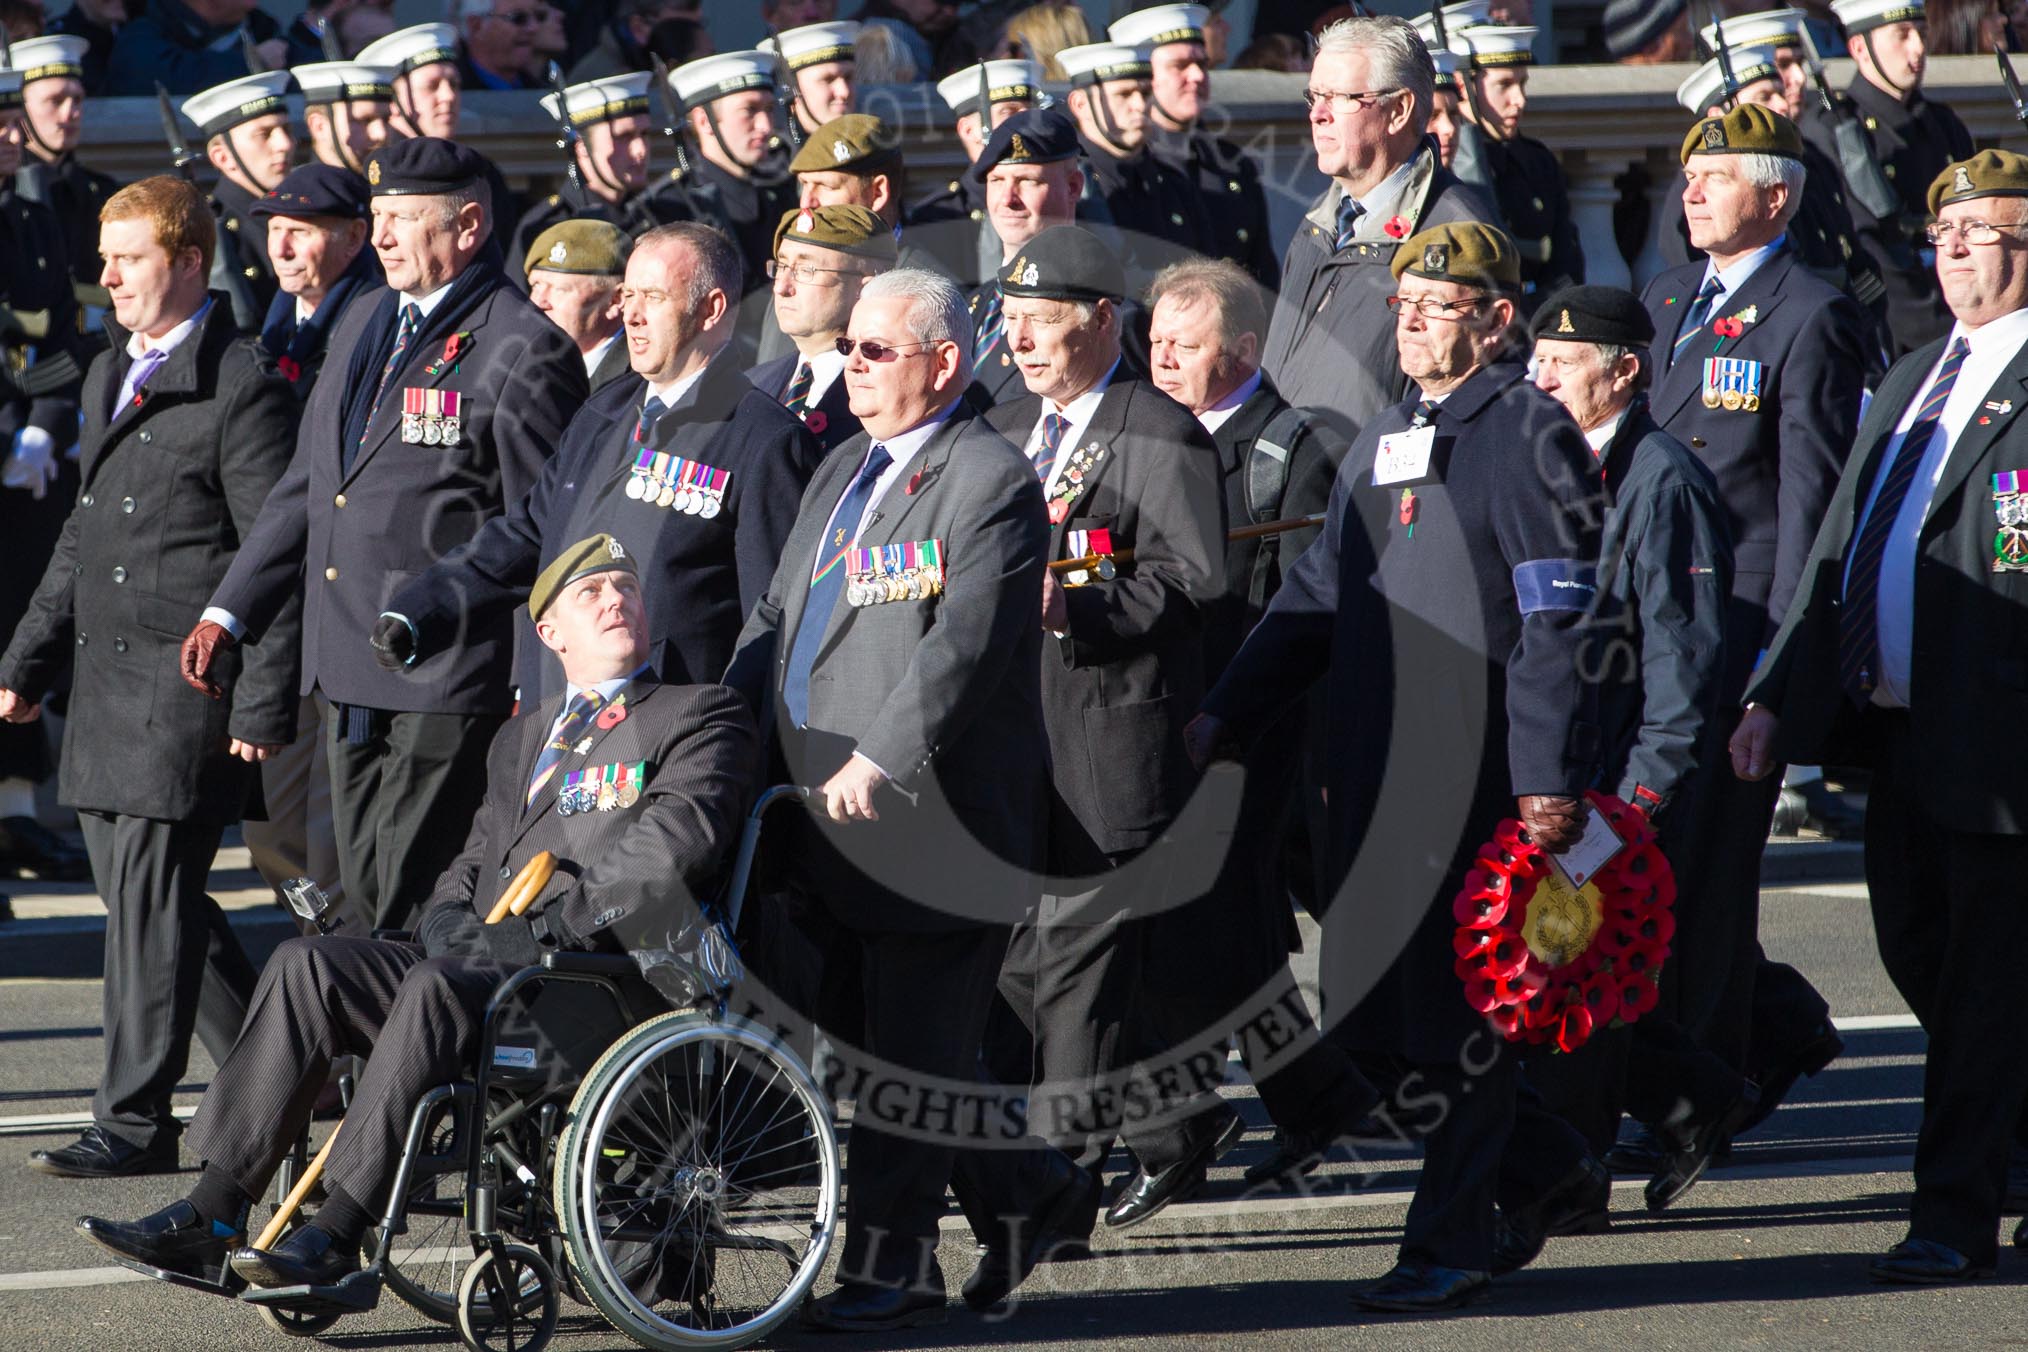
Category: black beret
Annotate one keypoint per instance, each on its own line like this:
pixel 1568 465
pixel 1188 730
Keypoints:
pixel 316 190
pixel 423 166
pixel 1594 314
pixel 1065 262
pixel 1035 136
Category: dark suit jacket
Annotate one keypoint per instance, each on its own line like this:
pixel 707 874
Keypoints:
pixel 614 365
pixel 1775 465
pixel 172 485
pixel 701 576
pixel 1119 686
pixel 940 692
pixel 349 538
pixel 1450 663
pixel 1969 665
pixel 627 876
pixel 298 349
pixel 834 427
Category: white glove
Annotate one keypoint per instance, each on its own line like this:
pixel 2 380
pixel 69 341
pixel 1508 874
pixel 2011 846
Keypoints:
pixel 33 463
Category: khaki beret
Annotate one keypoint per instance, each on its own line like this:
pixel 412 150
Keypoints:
pixel 1469 253
pixel 857 143
pixel 599 554
pixel 1748 129
pixel 853 230
pixel 1990 173
pixel 593 248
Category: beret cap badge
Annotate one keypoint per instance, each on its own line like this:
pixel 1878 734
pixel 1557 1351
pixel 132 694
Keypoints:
pixel 373 171
pixel 1436 257
pixel 1714 134
pixel 1961 180
pixel 558 252
pixel 1564 325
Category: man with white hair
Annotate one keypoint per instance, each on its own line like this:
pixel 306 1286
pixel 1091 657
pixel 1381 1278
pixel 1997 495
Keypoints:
pixel 498 43
pixel 1757 370
pixel 1330 343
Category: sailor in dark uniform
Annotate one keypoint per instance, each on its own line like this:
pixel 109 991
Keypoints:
pixel 53 91
pixel 429 95
pixel 1223 177
pixel 574 271
pixel 823 255
pixel 737 178
pixel 346 105
pixel 1912 138
pixel 1032 175
pixel 1526 179
pixel 315 236
pixel 951 222
pixel 610 117
pixel 1461 146
pixel 823 82
pixel 1153 208
pixel 245 125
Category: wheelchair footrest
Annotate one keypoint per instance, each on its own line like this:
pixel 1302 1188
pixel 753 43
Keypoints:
pixel 352 1295
pixel 228 1283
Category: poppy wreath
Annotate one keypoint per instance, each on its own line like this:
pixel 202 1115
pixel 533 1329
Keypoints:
pixel 1548 966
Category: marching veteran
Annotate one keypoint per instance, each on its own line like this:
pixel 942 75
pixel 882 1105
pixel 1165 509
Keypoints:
pixel 574 271
pixel 414 1010
pixel 823 256
pixel 1902 653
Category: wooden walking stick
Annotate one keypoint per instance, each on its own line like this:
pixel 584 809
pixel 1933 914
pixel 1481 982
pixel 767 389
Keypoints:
pixel 527 884
pixel 272 1234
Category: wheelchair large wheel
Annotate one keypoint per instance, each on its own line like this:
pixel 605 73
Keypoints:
pixel 697 1183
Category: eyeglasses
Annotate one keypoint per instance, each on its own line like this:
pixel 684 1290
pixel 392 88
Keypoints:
pixel 804 273
pixel 1429 307
pixel 874 350
pixel 520 18
pixel 1339 99
pixel 1972 232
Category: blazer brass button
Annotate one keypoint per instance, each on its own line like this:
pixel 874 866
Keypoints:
pixel 339 501
pixel 1697 441
pixel 330 574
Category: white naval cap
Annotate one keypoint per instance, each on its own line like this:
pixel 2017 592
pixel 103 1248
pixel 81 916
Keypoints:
pixel 58 57
pixel 1006 81
pixel 407 49
pixel 340 81
pixel 604 99
pixel 1778 27
pixel 1706 85
pixel 1096 62
pixel 814 43
pixel 1447 64
pixel 1863 16
pixel 1457 18
pixel 697 83
pixel 10 88
pixel 1161 25
pixel 1485 47
pixel 224 106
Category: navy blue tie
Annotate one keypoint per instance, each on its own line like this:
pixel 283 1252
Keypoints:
pixel 827 579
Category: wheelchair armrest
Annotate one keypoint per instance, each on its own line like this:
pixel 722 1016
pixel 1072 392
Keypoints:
pixel 589 964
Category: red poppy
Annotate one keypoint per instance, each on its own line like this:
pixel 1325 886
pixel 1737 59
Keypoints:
pixel 1574 1029
pixel 914 482
pixel 611 716
pixel 451 346
pixel 1728 328
pixel 816 421
pixel 291 369
pixel 1396 228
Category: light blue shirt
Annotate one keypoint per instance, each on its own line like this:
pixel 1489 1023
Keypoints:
pixel 1736 276
pixel 1993 348
pixel 606 691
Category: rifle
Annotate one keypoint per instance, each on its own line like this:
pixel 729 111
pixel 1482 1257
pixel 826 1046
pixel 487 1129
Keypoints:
pixel 1436 23
pixel 328 40
pixel 255 65
pixel 2013 85
pixel 672 126
pixel 787 95
pixel 1868 186
pixel 567 139
pixel 226 274
pixel 1729 88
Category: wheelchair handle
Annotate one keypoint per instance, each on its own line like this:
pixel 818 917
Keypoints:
pixel 749 842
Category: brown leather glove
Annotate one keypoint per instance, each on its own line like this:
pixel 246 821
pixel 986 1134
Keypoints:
pixel 200 650
pixel 1552 821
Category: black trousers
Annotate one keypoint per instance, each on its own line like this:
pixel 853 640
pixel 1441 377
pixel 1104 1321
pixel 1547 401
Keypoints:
pixel 416 1021
pixel 401 804
pixel 173 966
pixel 915 1005
pixel 1945 903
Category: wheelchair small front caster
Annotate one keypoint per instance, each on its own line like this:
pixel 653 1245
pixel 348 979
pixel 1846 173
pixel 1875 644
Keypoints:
pixel 297 1323
pixel 508 1300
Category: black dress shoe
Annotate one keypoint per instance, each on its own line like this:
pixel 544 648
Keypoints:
pixel 1635 1152
pixel 307 1257
pixel 174 1239
pixel 1421 1288
pixel 1691 1149
pixel 857 1307
pixel 1828 813
pixel 1146 1194
pixel 1924 1262
pixel 1298 1151
pixel 1577 1205
pixel 1062 1224
pixel 28 845
pixel 1778 1081
pixel 100 1154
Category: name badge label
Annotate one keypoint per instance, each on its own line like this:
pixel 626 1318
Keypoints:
pixel 1403 456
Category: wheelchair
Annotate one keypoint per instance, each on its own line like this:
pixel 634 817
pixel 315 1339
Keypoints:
pixel 681 1177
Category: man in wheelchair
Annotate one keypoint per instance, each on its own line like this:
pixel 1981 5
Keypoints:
pixel 636 789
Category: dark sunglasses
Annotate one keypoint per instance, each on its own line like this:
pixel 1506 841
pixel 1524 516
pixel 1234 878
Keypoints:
pixel 876 351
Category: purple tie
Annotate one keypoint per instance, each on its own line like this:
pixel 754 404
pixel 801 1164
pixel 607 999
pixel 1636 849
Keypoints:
pixel 140 373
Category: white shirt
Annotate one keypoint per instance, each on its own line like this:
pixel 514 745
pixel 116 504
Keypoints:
pixel 606 689
pixel 428 304
pixel 673 391
pixel 598 352
pixel 304 311
pixel 1381 205
pixel 1079 411
pixel 138 344
pixel 1602 436
pixel 1993 347
pixel 900 450
pixel 1221 412
pixel 825 368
